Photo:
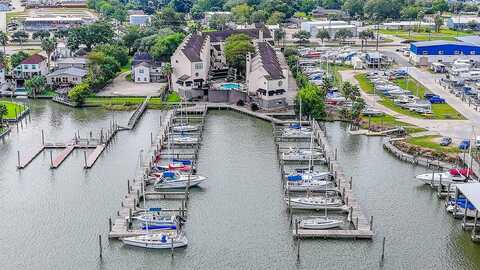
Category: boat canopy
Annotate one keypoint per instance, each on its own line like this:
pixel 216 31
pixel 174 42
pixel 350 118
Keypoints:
pixel 168 174
pixel 155 209
pixel 295 126
pixel 464 171
pixel 183 161
pixel 295 177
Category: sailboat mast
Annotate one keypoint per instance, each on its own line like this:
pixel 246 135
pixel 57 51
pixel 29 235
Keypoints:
pixel 300 116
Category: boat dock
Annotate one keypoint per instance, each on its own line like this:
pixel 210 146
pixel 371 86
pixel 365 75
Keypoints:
pixel 122 226
pixel 137 114
pixel 62 156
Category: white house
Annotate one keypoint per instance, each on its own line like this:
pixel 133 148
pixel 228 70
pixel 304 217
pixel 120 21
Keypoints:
pixel 141 72
pixel 191 62
pixel 405 25
pixel 313 27
pixel 145 69
pixel 139 19
pixel 66 76
pixel 78 62
pixel 29 67
pixel 267 76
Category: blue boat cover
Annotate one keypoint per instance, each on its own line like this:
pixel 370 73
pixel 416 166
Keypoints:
pixel 295 177
pixel 156 227
pixel 168 174
pixel 155 209
pixel 183 161
pixel 164 239
pixel 295 125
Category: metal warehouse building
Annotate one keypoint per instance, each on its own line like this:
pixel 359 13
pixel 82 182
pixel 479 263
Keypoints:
pixel 426 52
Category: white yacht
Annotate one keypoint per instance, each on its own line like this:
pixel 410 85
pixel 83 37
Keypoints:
pixel 170 239
pixel 320 223
pixel 175 179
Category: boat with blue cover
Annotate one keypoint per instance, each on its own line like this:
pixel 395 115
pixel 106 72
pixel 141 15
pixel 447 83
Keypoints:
pixel 175 179
pixel 163 240
pixel 302 183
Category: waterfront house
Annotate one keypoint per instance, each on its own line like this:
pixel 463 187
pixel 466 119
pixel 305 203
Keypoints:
pixel 145 69
pixel 267 76
pixel 29 67
pixel 66 76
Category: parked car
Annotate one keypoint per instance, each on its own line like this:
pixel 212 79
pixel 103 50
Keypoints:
pixel 429 95
pixel 445 141
pixel 436 100
pixel 464 145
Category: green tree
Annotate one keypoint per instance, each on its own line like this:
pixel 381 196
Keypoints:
pixel 79 92
pixel 323 34
pixel 357 107
pixel 383 9
pixel 182 6
pixel 165 46
pixel 236 49
pixel 35 85
pixel 168 18
pixel 219 22
pixel 167 71
pixel 132 33
pixel 102 69
pixel 49 45
pixel 313 103
pixel 353 7
pixel 118 52
pixel 279 35
pixel 242 13
pixel 277 17
pixel 365 35
pixel 3 112
pixel 258 16
pixel 20 37
pixel 343 34
pixel 307 6
pixel 41 34
pixel 438 20
pixel 302 36
pixel 439 6
pixel 3 40
pixel 90 35
pixel 17 58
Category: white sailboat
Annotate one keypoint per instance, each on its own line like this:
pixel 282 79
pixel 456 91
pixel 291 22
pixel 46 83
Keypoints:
pixel 185 128
pixel 452 176
pixel 175 179
pixel 183 139
pixel 294 154
pixel 161 240
pixel 315 203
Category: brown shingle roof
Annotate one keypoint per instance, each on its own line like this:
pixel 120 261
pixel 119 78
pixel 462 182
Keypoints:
pixel 193 47
pixel 34 59
pixel 269 60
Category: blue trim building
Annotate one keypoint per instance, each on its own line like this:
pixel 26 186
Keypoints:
pixel 426 52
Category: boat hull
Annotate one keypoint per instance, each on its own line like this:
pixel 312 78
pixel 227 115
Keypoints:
pixel 179 184
pixel 320 224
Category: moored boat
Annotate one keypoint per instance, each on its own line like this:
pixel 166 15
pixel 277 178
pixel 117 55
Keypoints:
pixel 297 183
pixel 302 155
pixel 315 203
pixel 452 176
pixel 320 223
pixel 175 179
pixel 184 128
pixel 161 240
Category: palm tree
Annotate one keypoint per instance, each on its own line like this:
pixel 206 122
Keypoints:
pixel 49 45
pixel 279 34
pixel 3 111
pixel 365 35
pixel 167 71
pixel 35 84
pixel 3 40
pixel 20 37
pixel 323 34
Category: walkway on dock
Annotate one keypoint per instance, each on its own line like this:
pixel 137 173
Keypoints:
pixel 138 113
pixel 363 228
pixel 62 156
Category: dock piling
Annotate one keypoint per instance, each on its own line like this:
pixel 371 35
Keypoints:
pixel 383 252
pixel 109 224
pixel 85 158
pixel 371 223
pixel 43 138
pixel 18 158
pixel 100 245
pixel 51 159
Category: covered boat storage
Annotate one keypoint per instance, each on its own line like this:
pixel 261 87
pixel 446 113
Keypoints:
pixel 471 191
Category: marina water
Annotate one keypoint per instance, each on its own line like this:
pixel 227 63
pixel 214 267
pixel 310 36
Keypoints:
pixel 237 220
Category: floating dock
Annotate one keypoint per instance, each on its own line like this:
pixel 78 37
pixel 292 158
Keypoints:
pixel 62 156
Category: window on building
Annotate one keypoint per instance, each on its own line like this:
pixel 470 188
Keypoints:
pixel 34 67
pixel 440 52
pixel 145 79
pixel 456 52
pixel 25 66
pixel 196 74
pixel 425 53
pixel 199 66
pixel 140 71
pixel 472 52
pixel 280 83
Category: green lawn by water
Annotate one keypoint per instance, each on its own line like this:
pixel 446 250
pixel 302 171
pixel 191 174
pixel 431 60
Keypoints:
pixel 14 109
pixel 432 142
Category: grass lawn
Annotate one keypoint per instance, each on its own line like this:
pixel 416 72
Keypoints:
pixel 19 15
pixel 431 142
pixel 335 69
pixel 365 84
pixel 127 101
pixel 389 121
pixel 411 85
pixel 444 34
pixel 11 109
pixel 173 97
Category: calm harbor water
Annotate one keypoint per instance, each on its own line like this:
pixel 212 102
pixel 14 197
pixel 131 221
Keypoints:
pixel 238 220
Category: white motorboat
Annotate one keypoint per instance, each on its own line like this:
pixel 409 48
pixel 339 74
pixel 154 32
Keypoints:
pixel 302 132
pixel 320 223
pixel 315 203
pixel 156 219
pixel 175 179
pixel 452 176
pixel 157 240
pixel 302 155
pixel 184 128
pixel 308 185
pixel 184 140
pixel 309 175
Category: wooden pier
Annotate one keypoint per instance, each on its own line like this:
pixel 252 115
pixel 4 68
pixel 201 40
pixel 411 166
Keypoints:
pixel 92 158
pixel 137 114
pixel 62 156
pixel 30 158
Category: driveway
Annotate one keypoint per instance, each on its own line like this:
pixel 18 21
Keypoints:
pixel 122 87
